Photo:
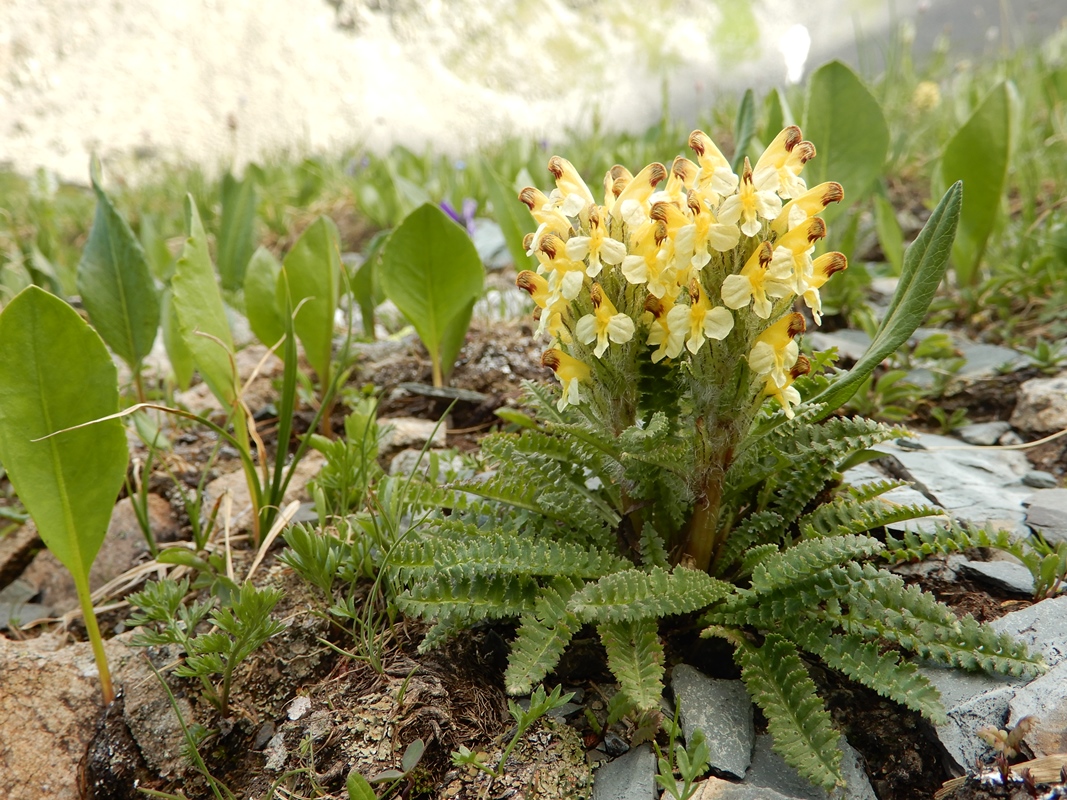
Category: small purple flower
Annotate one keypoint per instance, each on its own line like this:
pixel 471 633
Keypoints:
pixel 464 218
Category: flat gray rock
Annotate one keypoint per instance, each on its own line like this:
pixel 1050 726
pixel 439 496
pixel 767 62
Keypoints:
pixel 984 361
pixel 1042 627
pixel 1041 405
pixel 1005 576
pixel 901 496
pixel 970 483
pixel 769 771
pixel 1047 514
pixel 983 433
pixel 629 777
pixel 1039 479
pixel 723 711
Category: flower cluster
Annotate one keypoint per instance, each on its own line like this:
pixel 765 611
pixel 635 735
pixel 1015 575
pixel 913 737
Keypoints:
pixel 671 260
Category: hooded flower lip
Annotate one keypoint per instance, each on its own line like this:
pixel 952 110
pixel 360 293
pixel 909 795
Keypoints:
pixel 535 285
pixel 682 176
pixel 572 192
pixel 708 232
pixel 570 372
pixel 760 280
pixel 792 253
pixel 631 205
pixel 598 246
pixel 549 219
pixel 775 352
pixel 822 269
pixel 715 175
pixel 644 263
pixel 807 205
pixel 603 324
pixel 782 161
pixel 565 275
pixel 756 198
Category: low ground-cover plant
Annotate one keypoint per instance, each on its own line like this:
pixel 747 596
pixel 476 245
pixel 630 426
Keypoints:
pixel 689 467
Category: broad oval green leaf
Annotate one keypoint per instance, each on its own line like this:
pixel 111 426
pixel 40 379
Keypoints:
pixel 849 130
pixel 236 229
pixel 925 262
pixel 116 285
pixel 55 373
pixel 312 271
pixel 431 271
pixel 201 314
pixel 261 297
pixel 979 154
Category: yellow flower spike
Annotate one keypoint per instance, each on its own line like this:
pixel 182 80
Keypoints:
pixel 775 352
pixel 759 280
pixel 549 219
pixel 603 324
pixel 573 194
pixel 565 275
pixel 598 246
pixel 782 161
pixel 714 175
pixel 570 372
pixel 756 198
pixel 787 396
pixel 807 205
pixel 708 232
pixel 631 205
pixel 668 341
pixel 700 319
pixel 535 286
pixel 823 268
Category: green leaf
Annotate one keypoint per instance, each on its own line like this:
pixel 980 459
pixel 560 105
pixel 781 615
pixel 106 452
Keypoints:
pixel 890 237
pixel 55 373
pixel 510 214
pixel 312 271
pixel 978 155
pixel 364 282
pixel 178 353
pixel 635 657
pixel 201 314
pixel 778 114
pixel 432 272
pixel 261 297
pixel 116 285
pixel 924 266
pixel 236 229
pixel 744 129
pixel 358 787
pixel 849 131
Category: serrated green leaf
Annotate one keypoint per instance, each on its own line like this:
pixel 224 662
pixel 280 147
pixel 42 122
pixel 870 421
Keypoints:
pixel 201 314
pixel 431 270
pixel 116 285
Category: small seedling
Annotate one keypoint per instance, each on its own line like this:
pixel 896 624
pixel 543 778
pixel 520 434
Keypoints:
pixel 1007 742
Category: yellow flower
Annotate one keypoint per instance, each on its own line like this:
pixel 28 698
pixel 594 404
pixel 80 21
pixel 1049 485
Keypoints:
pixel 708 232
pixel 807 205
pixel 632 205
pixel 615 181
pixel 715 177
pixel 787 396
pixel 682 176
pixel 823 268
pixel 667 339
pixel 549 219
pixel 792 252
pixel 681 236
pixel 646 261
pixel 565 275
pixel 571 193
pixel 603 324
pixel 570 372
pixel 759 280
pixel 775 351
pixel 699 319
pixel 535 286
pixel 780 165
pixel 598 246
pixel 926 97
pixel 756 197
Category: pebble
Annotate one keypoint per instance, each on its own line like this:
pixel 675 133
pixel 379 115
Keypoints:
pixel 1041 405
pixel 723 711
pixel 614 745
pixel 629 777
pixel 983 433
pixel 1039 479
pixel 1047 514
pixel 1004 576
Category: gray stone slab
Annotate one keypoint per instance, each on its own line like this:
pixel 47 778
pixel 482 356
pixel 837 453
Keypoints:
pixel 629 777
pixel 972 484
pixel 983 361
pixel 1047 514
pixel 903 495
pixel 1039 479
pixel 983 433
pixel 723 711
pixel 770 771
pixel 1005 576
pixel 1042 627
pixel 1045 700
pixel 959 734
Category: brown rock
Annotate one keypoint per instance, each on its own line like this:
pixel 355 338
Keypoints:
pixel 17 550
pixel 237 485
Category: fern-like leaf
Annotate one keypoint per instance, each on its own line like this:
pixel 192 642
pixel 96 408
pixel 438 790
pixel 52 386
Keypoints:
pixel 635 594
pixel 808 558
pixel 463 598
pixel 848 515
pixel 803 732
pixel 759 528
pixel 543 634
pixel 635 657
